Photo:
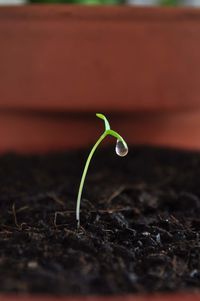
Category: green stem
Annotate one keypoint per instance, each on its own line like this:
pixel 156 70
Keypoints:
pixel 84 176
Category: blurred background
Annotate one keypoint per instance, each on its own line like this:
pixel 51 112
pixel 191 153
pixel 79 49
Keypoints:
pixel 193 3
pixel 59 64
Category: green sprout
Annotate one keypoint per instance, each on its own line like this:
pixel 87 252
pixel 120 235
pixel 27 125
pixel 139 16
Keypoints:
pixel 121 150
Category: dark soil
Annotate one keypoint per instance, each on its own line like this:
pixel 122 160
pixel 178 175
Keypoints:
pixel 140 223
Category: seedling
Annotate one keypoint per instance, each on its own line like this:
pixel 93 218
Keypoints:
pixel 121 150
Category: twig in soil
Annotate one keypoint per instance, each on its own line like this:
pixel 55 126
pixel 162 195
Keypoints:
pixel 177 222
pixel 55 198
pixel 62 213
pixel 121 189
pixel 15 216
pixel 121 150
pixel 115 194
pixel 55 218
pixel 89 203
pixel 19 226
pixel 9 227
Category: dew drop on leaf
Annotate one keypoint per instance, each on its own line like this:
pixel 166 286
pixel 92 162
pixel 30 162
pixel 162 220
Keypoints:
pixel 121 149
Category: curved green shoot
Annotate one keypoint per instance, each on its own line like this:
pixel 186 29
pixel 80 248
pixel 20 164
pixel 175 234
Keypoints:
pixel 121 150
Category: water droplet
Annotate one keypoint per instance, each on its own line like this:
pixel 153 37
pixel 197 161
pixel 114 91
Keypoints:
pixel 121 149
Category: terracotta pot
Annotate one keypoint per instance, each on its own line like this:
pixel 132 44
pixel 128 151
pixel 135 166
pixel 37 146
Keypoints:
pixel 140 61
pixel 28 131
pixel 99 58
pixel 61 64
pixel 159 297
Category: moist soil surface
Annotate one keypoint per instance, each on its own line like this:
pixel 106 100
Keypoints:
pixel 140 223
